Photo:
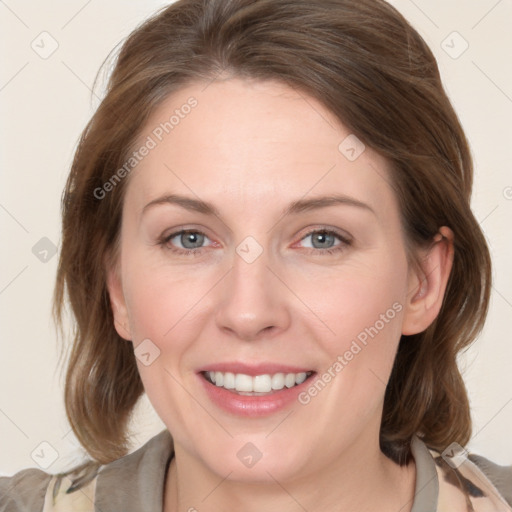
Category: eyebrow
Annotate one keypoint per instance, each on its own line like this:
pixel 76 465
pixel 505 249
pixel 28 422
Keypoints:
pixel 299 206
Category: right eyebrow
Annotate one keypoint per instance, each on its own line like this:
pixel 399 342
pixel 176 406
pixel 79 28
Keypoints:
pixel 189 203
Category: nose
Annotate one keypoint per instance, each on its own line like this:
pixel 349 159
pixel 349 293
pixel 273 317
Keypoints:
pixel 253 301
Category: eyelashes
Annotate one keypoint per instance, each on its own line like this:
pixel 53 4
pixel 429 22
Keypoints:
pixel 194 234
pixel 323 236
pixel 196 238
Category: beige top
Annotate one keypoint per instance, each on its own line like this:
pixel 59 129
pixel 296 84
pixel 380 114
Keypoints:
pixel 135 483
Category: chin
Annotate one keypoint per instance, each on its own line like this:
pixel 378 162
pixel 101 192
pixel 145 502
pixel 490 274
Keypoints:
pixel 254 459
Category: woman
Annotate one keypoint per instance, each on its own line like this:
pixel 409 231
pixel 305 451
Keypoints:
pixel 267 229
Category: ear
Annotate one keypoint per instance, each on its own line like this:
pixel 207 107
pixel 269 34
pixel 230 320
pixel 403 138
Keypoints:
pixel 427 284
pixel 117 302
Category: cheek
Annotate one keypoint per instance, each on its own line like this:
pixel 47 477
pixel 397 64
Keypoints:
pixel 363 308
pixel 152 306
pixel 360 308
pixel 167 306
pixel 161 299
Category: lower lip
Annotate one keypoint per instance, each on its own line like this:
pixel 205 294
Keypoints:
pixel 252 406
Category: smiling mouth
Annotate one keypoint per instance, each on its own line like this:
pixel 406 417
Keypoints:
pixel 257 385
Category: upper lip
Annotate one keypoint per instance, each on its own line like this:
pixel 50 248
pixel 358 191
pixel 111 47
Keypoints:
pixel 253 368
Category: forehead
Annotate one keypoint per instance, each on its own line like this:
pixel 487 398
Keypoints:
pixel 252 142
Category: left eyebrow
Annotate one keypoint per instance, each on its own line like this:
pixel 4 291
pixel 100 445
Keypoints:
pixel 303 205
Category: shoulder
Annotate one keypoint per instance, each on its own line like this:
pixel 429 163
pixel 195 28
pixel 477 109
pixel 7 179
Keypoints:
pixel 33 490
pixel 457 480
pixel 486 485
pixel 136 476
pixel 500 476
pixel 24 491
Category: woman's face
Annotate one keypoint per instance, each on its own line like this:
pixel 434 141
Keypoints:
pixel 292 266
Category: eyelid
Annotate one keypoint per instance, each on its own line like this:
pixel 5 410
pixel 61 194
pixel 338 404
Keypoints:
pixel 341 235
pixel 344 239
pixel 180 231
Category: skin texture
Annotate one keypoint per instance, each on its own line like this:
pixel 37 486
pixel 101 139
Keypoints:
pixel 250 149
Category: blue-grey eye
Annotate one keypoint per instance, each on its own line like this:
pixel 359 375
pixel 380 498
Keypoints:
pixel 322 240
pixel 190 239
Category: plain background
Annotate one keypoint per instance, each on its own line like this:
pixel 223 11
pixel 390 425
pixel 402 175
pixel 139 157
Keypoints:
pixel 46 102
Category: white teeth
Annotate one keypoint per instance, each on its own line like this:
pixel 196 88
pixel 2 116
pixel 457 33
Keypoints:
pixel 262 384
pixel 243 382
pixel 229 380
pixel 278 381
pixel 300 377
pixel 258 384
pixel 289 380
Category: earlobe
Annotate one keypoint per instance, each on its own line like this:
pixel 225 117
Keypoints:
pixel 427 284
pixel 118 303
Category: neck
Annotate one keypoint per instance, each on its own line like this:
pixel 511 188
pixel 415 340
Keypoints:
pixel 364 482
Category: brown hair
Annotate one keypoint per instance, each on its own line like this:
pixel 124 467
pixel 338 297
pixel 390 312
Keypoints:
pixel 373 71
